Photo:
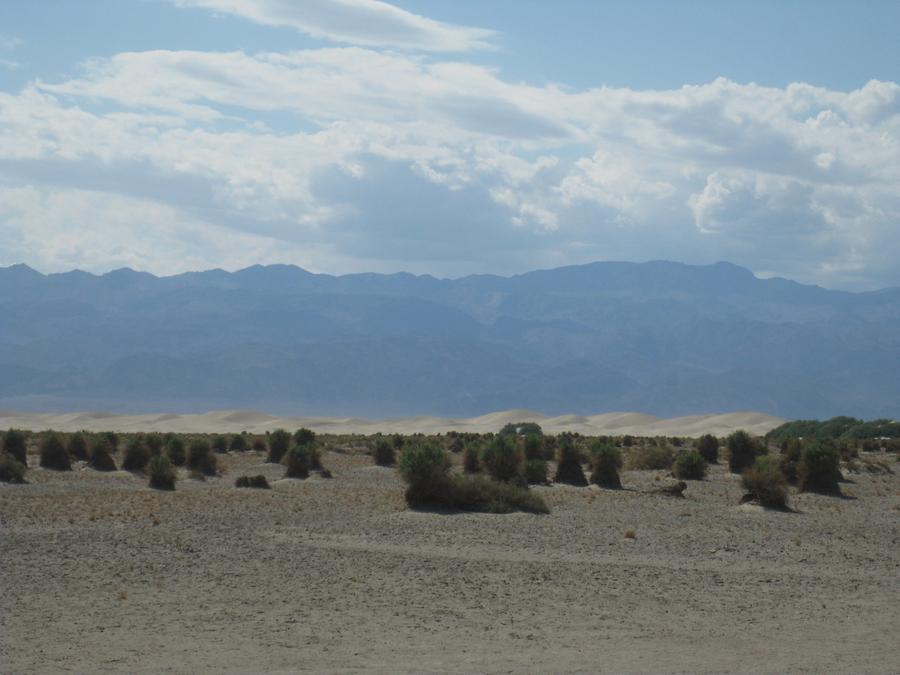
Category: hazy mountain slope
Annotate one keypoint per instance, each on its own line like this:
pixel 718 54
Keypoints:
pixel 663 338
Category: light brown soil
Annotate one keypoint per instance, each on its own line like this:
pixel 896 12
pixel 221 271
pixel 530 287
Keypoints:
pixel 100 573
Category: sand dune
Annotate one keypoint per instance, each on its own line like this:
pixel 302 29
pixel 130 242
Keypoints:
pixel 232 421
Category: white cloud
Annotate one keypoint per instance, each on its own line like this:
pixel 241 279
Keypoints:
pixel 369 23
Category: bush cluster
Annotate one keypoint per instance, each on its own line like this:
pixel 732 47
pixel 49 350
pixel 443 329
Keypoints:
pixel 708 447
pixel 742 451
pixel 819 468
pixel 279 444
pixel 384 453
pixel 689 465
pixel 136 455
pixel 650 458
pixel 200 458
pixel 101 453
pixel 161 472
pixel 53 453
pixel 502 459
pixel 568 463
pixel 765 483
pixel 606 460
pixel 259 481
pixel 14 445
pixel 11 469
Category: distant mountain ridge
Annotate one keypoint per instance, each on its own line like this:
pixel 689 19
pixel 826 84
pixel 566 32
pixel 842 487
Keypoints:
pixel 660 337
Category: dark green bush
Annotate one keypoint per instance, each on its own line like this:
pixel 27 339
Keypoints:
pixel 568 463
pixel 819 470
pixel 471 453
pixel 154 443
pixel 477 493
pixel 101 454
pixel 533 447
pixel 304 436
pixel 11 469
pixel 258 481
pixel 708 447
pixel 606 461
pixel 14 445
pixel 536 472
pixel 425 467
pixel 384 453
pixel 78 448
pixel 200 457
pixel 521 429
pixel 765 483
pixel 219 444
pixel 742 451
pixel 650 458
pixel 279 443
pixel 53 453
pixel 790 459
pixel 297 462
pixel 238 443
pixel 136 455
pixel 112 440
pixel 161 472
pixel 175 451
pixel 502 459
pixel 689 465
pixel 258 444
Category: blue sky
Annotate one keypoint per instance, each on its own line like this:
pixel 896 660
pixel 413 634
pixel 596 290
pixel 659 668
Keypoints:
pixel 451 137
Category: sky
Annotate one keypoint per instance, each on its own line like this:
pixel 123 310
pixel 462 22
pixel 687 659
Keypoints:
pixel 451 138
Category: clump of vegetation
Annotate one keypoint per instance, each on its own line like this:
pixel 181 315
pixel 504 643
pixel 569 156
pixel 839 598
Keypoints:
pixel 650 458
pixel 200 458
pixel 219 445
pixel 297 462
pixel 53 453
pixel 536 472
pixel 279 444
pixel 238 443
pixel 425 469
pixel 161 472
pixel 742 451
pixel 154 444
pixel 502 460
pixel 477 493
pixel 11 469
pixel 304 436
pixel 136 455
pixel 259 482
pixel 521 429
pixel 384 453
pixel 708 447
pixel 790 459
pixel 471 463
pixel 568 463
pixel 78 447
pixel 819 470
pixel 765 483
pixel 689 465
pixel 175 451
pixel 14 445
pixel 258 444
pixel 836 427
pixel 606 460
pixel 101 454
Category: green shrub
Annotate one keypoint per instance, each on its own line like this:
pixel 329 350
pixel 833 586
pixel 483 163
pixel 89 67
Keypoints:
pixel 689 465
pixel 790 459
pixel 765 483
pixel 175 451
pixel 606 461
pixel 304 436
pixel 425 467
pixel 819 470
pixel 136 455
pixel 297 462
pixel 477 493
pixel 112 440
pixel 219 444
pixel 533 447
pixel 384 453
pixel 14 445
pixel 258 444
pixel 11 469
pixel 101 454
pixel 53 453
pixel 742 451
pixel 78 448
pixel 238 443
pixel 154 444
pixel 536 472
pixel 708 447
pixel 161 472
pixel 258 481
pixel 279 443
pixel 650 458
pixel 502 459
pixel 471 463
pixel 568 463
pixel 521 429
pixel 200 457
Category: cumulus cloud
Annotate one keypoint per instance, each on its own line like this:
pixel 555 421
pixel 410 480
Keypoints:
pixel 369 23
pixel 377 160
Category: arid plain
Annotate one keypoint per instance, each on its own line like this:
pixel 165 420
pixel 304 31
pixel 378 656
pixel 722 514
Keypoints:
pixel 101 573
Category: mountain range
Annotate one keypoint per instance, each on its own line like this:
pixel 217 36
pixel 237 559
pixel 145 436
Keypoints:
pixel 660 337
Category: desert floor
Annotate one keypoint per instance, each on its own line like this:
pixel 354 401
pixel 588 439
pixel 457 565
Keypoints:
pixel 100 573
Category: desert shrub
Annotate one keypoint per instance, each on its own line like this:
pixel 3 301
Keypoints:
pixel 258 444
pixel 136 455
pixel 175 451
pixel 533 446
pixel 568 463
pixel 200 457
pixel 14 445
pixel 279 443
pixel 819 470
pixel 536 472
pixel 606 461
pixel 11 469
pixel 53 453
pixel 457 444
pixel 708 447
pixel 77 448
pixel 384 452
pixel 650 458
pixel 101 454
pixel 315 458
pixel 219 444
pixel 258 481
pixel 790 459
pixel 502 459
pixel 471 463
pixel 425 467
pixel 304 436
pixel 765 483
pixel 476 493
pixel 239 444
pixel 689 465
pixel 742 451
pixel 112 440
pixel 154 444
pixel 297 462
pixel 161 472
pixel 521 429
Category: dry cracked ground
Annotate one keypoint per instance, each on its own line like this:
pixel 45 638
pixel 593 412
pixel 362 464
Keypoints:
pixel 102 574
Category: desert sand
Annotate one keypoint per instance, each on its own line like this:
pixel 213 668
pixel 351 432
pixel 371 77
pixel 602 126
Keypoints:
pixel 232 421
pixel 102 574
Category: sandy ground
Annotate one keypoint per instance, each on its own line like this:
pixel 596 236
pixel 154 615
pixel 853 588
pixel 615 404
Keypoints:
pixel 233 421
pixel 101 573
